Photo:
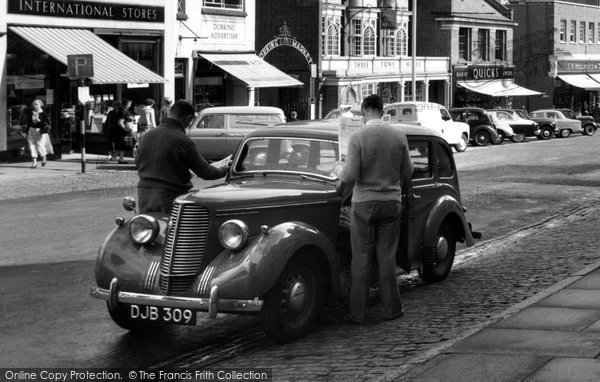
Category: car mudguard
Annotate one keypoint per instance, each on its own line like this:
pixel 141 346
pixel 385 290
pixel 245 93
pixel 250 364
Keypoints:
pixel 119 256
pixel 446 206
pixel 252 271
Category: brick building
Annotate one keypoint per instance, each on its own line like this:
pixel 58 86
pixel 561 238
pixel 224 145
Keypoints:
pixel 343 50
pixel 557 51
pixel 476 35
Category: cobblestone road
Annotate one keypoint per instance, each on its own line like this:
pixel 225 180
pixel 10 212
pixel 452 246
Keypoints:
pixel 486 280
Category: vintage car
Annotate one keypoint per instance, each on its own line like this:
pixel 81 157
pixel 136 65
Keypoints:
pixel 564 125
pixel 273 239
pixel 483 130
pixel 217 131
pixel 547 126
pixel 522 127
pixel 588 124
pixel 503 129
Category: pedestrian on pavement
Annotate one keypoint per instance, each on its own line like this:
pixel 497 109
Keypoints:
pixel 110 129
pixel 36 130
pixel 379 164
pixel 147 116
pixel 164 160
pixel 164 110
pixel 124 140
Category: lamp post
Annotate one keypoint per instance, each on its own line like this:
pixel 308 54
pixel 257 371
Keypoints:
pixel 414 51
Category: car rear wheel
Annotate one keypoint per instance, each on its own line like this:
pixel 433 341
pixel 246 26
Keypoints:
pixel 499 139
pixel 589 129
pixel 518 137
pixel 564 133
pixel 438 260
pixel 545 133
pixel 291 307
pixel 482 138
pixel 462 145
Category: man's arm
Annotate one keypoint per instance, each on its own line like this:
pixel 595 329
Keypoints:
pixel 351 169
pixel 199 165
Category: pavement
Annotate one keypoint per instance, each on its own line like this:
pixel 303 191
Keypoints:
pixel 551 336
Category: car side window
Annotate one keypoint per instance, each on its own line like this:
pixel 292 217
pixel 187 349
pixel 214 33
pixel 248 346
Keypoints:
pixel 212 122
pixel 445 115
pixel 392 112
pixel 444 162
pixel 420 154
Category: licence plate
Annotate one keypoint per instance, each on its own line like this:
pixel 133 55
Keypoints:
pixel 162 314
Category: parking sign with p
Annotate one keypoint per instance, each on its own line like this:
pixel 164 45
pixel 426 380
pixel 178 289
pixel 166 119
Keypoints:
pixel 80 66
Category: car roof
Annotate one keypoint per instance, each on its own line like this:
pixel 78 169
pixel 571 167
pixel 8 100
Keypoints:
pixel 407 103
pixel 327 129
pixel 545 110
pixel 478 109
pixel 241 109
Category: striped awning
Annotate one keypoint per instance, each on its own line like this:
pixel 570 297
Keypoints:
pixel 498 88
pixel 583 81
pixel 111 66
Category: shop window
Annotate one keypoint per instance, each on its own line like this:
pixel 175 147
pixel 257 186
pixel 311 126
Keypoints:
pixel 226 4
pixel 356 38
pixel 572 31
pixel 402 41
pixel 591 32
pixel 369 41
pixel 563 31
pixel 483 44
pixel 500 45
pixel 582 32
pixel 464 44
pixel 367 90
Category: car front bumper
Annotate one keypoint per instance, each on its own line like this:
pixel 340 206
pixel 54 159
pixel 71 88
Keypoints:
pixel 212 305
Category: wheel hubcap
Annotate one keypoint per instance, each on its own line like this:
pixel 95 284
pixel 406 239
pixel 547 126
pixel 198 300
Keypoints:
pixel 442 248
pixel 297 295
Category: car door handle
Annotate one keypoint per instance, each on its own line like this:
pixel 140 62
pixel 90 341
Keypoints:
pixel 415 196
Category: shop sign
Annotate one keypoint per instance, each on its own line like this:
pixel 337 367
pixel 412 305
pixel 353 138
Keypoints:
pixel 29 82
pixel 223 30
pixel 484 73
pixel 578 66
pixel 285 38
pixel 87 10
pixel 388 19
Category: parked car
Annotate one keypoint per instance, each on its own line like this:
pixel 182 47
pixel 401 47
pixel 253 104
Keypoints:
pixel 547 126
pixel 273 239
pixel 565 126
pixel 217 131
pixel 588 124
pixel 483 130
pixel 433 116
pixel 337 113
pixel 503 129
pixel 522 127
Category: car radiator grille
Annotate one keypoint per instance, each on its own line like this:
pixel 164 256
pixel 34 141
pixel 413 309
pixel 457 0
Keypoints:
pixel 184 248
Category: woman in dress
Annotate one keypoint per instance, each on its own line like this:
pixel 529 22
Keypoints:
pixel 37 124
pixel 123 132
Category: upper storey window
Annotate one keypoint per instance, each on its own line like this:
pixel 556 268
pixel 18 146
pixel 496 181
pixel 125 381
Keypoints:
pixel 226 4
pixel 363 37
pixel 331 36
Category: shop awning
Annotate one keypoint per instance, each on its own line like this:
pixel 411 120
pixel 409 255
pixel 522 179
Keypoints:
pixel 498 88
pixel 251 69
pixel 583 81
pixel 110 65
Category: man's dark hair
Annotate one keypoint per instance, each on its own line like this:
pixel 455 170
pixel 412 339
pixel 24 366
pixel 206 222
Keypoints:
pixel 373 102
pixel 181 109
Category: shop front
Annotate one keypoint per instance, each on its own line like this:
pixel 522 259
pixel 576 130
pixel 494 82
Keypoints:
pixel 126 42
pixel 576 84
pixel 487 86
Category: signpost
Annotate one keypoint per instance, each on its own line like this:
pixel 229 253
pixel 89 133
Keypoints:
pixel 80 67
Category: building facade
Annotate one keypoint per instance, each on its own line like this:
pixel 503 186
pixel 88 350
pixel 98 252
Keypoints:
pixel 216 62
pixel 344 50
pixel 559 51
pixel 129 59
pixel 477 36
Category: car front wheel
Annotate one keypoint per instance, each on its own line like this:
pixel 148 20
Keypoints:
pixel 589 130
pixel 518 137
pixel 291 307
pixel 462 145
pixel 437 261
pixel 482 138
pixel 499 139
pixel 564 133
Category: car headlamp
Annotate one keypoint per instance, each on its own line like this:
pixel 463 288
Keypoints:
pixel 143 229
pixel 233 234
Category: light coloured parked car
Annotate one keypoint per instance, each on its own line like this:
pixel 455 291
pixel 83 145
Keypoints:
pixel 217 131
pixel 503 129
pixel 433 116
pixel 522 127
pixel 565 126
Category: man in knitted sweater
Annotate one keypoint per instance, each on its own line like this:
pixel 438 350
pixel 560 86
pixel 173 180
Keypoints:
pixel 379 165
pixel 165 157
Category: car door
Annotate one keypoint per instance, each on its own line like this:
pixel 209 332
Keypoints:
pixel 208 134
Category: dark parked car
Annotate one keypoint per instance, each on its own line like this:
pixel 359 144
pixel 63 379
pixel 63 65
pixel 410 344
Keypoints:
pixel 522 127
pixel 483 131
pixel 587 121
pixel 272 239
pixel 547 126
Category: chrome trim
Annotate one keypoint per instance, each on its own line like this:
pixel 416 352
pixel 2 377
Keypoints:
pixel 213 307
pixel 151 275
pixel 202 304
pixel 204 282
pixel 251 209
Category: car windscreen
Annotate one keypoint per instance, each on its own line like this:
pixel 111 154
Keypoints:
pixel 308 156
pixel 253 120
